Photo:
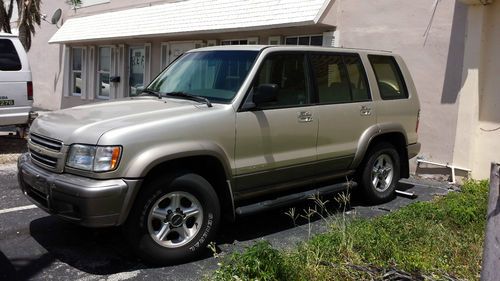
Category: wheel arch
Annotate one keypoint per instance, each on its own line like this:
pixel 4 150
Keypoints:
pixel 388 132
pixel 207 160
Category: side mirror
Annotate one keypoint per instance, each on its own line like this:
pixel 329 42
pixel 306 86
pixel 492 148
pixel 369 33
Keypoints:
pixel 265 93
pixel 261 94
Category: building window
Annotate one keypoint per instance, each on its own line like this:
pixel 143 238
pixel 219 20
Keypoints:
pixel 76 71
pixel 104 72
pixel 307 40
pixel 274 40
pixel 137 61
pixel 248 41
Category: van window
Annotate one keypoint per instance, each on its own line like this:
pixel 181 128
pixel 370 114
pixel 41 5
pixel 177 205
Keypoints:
pixel 9 60
pixel 389 78
pixel 288 71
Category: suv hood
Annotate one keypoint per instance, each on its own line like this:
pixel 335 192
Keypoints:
pixel 86 124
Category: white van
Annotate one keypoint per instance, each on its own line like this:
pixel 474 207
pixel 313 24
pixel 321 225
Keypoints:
pixel 16 88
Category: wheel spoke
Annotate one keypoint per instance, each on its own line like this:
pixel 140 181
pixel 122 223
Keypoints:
pixel 375 181
pixel 163 232
pixel 186 232
pixel 191 211
pixel 160 214
pixel 175 201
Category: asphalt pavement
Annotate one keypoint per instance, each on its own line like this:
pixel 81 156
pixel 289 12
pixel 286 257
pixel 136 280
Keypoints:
pixel 37 246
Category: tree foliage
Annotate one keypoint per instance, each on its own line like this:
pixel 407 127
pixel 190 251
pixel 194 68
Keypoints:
pixel 29 17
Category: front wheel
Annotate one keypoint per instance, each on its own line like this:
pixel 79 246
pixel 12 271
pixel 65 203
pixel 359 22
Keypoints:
pixel 173 219
pixel 381 172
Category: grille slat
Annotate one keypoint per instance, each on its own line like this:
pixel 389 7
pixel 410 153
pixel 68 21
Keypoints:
pixel 47 160
pixel 46 142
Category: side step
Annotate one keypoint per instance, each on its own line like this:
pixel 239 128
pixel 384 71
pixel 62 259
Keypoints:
pixel 290 199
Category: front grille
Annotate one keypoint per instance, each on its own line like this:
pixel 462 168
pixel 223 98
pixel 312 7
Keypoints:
pixel 44 159
pixel 46 152
pixel 48 143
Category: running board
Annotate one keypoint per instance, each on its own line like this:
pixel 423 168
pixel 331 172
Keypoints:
pixel 292 198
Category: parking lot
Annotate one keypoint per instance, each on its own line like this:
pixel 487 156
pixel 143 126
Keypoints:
pixel 37 246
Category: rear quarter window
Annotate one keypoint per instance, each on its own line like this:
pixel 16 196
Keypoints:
pixel 9 59
pixel 389 78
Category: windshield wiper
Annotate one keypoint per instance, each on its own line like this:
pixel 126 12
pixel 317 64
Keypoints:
pixel 151 92
pixel 190 97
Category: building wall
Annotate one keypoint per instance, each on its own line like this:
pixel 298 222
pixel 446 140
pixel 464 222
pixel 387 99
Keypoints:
pixel 433 60
pixel 478 131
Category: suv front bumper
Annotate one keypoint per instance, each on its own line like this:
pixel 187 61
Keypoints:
pixel 88 202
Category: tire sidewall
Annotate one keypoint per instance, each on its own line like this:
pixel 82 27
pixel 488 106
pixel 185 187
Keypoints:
pixel 146 247
pixel 371 192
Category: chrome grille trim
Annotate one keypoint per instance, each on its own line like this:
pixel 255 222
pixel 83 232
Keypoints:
pixel 48 143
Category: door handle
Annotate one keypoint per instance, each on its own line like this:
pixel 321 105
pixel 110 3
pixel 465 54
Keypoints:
pixel 365 111
pixel 305 116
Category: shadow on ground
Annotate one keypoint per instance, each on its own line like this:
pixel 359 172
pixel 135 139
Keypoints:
pixel 104 251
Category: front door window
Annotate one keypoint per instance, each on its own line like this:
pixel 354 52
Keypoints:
pixel 137 57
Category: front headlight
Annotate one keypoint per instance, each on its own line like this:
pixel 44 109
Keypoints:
pixel 94 158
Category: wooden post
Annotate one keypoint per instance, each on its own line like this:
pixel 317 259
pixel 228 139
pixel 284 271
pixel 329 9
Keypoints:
pixel 491 251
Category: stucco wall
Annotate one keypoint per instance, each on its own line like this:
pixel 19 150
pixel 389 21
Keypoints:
pixel 478 132
pixel 434 62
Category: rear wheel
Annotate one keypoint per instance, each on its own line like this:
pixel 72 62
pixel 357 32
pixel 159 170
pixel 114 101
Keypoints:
pixel 381 172
pixel 173 219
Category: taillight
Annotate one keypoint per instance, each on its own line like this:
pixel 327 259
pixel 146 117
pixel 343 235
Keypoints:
pixel 30 90
pixel 418 121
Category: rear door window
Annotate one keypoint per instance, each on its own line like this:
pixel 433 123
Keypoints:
pixel 340 78
pixel 389 78
pixel 9 60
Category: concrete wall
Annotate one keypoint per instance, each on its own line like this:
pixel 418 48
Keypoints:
pixel 478 132
pixel 434 59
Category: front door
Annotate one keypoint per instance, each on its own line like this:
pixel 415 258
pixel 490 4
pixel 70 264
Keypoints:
pixel 137 56
pixel 277 143
pixel 177 49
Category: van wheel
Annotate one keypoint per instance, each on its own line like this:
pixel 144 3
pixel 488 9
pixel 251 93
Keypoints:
pixel 381 173
pixel 173 219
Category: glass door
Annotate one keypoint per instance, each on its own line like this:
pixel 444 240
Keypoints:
pixel 137 59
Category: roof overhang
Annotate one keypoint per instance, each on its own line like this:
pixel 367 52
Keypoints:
pixel 191 17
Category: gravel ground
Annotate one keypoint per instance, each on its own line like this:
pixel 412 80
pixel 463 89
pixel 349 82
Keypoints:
pixel 10 148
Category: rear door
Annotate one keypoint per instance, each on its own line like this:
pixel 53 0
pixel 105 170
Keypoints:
pixel 14 78
pixel 345 107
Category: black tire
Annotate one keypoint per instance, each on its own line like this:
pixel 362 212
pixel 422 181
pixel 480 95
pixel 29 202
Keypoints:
pixel 382 191
pixel 159 194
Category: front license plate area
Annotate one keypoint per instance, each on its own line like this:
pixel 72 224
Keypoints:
pixel 36 183
pixel 6 102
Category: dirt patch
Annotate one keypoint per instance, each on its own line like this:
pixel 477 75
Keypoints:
pixel 10 148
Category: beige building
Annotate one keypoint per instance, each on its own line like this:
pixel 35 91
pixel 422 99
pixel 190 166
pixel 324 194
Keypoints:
pixel 109 49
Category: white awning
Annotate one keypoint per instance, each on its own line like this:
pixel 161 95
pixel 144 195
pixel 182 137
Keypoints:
pixel 191 17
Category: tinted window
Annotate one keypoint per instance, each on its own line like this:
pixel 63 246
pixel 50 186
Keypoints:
pixel 288 71
pixel 9 60
pixel 389 78
pixel 357 78
pixel 331 79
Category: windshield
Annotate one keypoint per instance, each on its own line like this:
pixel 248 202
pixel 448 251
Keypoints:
pixel 215 75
